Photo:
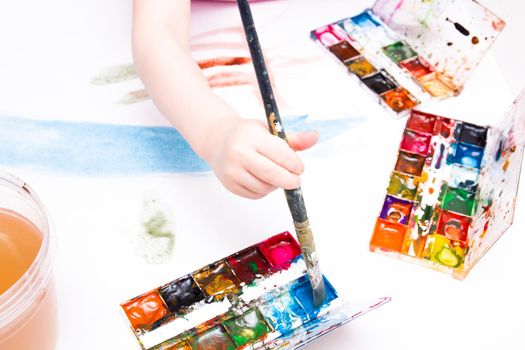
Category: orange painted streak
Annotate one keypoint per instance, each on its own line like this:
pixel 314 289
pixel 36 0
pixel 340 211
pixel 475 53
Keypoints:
pixel 226 79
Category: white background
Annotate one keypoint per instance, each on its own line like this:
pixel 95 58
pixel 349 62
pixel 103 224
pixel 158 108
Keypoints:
pixel 49 51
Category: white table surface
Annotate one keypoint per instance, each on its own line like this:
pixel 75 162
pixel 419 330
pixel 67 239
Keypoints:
pixel 50 49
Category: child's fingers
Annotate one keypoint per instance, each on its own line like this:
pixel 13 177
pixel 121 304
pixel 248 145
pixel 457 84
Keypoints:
pixel 254 184
pixel 271 173
pixel 279 152
pixel 245 192
pixel 301 141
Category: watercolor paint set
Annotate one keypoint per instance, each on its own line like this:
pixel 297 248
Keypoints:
pixel 257 298
pixel 453 190
pixel 407 52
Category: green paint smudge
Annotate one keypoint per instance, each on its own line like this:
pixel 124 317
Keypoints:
pixel 157 232
pixel 115 74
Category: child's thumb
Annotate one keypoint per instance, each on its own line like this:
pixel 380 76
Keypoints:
pixel 299 141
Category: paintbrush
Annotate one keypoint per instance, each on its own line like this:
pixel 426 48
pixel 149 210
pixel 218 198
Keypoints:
pixel 294 197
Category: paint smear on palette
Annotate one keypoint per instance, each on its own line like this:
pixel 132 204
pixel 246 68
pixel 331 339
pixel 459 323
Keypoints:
pixel 91 149
pixel 156 237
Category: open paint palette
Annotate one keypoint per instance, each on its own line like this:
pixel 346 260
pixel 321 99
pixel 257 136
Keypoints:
pixel 453 190
pixel 406 52
pixel 258 298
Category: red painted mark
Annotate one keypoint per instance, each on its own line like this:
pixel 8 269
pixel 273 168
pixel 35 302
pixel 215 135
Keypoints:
pixel 223 61
pixel 444 127
pixel 498 25
pixel 398 6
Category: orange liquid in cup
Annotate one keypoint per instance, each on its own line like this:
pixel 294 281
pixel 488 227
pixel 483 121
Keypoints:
pixel 20 242
pixel 34 324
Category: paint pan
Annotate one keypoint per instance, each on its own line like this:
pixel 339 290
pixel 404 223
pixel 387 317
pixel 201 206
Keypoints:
pixel 466 155
pixel 464 178
pixel 403 185
pixel 344 51
pixel 453 190
pixel 396 210
pixel 257 298
pixel 28 313
pixel 399 99
pixel 429 48
pixel 417 67
pixel 410 163
pixel 361 67
pixel 416 142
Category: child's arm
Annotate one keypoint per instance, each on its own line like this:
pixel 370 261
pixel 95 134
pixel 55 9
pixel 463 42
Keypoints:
pixel 247 159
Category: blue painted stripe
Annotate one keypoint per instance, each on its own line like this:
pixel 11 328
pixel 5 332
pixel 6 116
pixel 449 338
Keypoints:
pixel 80 148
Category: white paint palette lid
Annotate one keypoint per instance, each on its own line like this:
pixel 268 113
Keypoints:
pixel 452 35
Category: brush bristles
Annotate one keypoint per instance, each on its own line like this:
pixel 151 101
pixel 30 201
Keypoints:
pixel 319 294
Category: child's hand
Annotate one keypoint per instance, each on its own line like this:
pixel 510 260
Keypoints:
pixel 251 162
pixel 246 158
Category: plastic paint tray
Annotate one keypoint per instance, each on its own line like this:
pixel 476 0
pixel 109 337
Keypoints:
pixel 257 298
pixel 407 52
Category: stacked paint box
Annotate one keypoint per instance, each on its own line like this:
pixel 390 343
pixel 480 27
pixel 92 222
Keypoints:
pixel 452 192
pixel 260 297
pixel 403 63
pixel 438 207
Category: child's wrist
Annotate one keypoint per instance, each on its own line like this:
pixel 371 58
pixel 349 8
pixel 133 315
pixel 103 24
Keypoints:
pixel 211 139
